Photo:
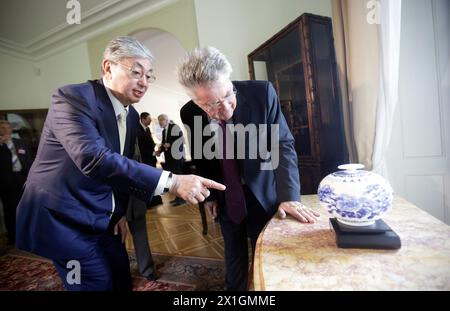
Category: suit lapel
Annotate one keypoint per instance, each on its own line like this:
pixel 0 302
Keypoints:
pixel 169 133
pixel 128 148
pixel 241 114
pixel 108 117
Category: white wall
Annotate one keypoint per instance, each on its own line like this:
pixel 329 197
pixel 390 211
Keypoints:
pixel 237 27
pixel 17 82
pixel 69 66
pixel 418 159
pixel 26 84
pixel 165 96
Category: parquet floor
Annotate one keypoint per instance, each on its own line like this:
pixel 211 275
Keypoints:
pixel 177 230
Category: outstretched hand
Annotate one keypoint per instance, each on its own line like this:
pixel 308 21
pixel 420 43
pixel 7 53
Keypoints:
pixel 298 211
pixel 193 188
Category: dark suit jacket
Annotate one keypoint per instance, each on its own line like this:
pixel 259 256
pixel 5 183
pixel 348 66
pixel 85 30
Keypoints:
pixel 6 169
pixel 146 147
pixel 257 103
pixel 137 209
pixel 175 139
pixel 67 200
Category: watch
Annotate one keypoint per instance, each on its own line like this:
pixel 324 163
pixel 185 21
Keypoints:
pixel 168 183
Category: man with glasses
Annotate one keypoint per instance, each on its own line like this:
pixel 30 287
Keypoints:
pixel 254 193
pixel 73 206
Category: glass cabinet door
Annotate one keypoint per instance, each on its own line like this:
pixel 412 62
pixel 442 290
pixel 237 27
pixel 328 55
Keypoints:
pixel 300 62
pixel 281 64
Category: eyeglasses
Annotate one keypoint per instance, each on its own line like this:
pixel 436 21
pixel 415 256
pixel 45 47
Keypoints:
pixel 214 105
pixel 138 73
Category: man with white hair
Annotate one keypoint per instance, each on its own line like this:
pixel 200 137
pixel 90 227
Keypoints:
pixel 74 202
pixel 172 145
pixel 254 193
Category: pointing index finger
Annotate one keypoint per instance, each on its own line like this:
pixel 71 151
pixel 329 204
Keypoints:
pixel 208 183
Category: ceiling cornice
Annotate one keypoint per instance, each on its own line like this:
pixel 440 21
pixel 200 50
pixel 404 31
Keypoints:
pixel 108 15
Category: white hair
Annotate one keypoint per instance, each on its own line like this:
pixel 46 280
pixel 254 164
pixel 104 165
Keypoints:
pixel 163 117
pixel 126 47
pixel 203 66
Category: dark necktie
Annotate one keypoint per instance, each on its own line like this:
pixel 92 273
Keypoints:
pixel 234 194
pixel 147 132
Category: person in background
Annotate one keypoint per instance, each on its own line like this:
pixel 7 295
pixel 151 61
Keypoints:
pixel 137 222
pixel 73 206
pixel 172 145
pixel 147 149
pixel 253 194
pixel 145 140
pixel 15 162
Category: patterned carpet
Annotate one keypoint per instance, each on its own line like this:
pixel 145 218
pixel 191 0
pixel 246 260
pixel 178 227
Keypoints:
pixel 25 272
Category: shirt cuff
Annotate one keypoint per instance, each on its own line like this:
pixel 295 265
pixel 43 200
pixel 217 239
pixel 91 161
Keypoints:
pixel 162 183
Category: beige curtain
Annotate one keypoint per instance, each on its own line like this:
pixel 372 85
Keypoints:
pixel 357 56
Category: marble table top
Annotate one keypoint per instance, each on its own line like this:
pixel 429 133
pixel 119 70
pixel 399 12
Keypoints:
pixel 294 256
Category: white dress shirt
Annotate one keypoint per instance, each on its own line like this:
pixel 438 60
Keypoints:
pixel 118 109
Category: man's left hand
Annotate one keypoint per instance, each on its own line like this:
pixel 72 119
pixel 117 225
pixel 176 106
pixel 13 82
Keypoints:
pixel 298 211
pixel 122 227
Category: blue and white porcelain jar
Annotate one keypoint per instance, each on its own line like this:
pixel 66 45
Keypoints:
pixel 354 196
